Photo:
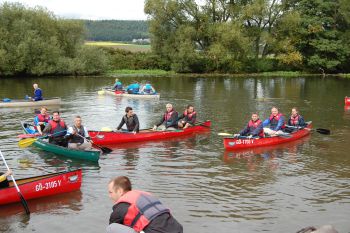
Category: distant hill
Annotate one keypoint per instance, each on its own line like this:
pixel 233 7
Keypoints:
pixel 116 30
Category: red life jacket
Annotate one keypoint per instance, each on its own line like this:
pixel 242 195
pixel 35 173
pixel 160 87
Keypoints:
pixel 274 120
pixel 167 115
pixel 57 127
pixel 142 210
pixel 43 118
pixel 189 116
pixel 294 120
pixel 254 124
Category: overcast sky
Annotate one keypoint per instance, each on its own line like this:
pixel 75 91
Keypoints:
pixel 91 9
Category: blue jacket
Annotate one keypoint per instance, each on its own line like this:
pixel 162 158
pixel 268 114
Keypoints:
pixel 134 88
pixel 275 125
pixel 38 95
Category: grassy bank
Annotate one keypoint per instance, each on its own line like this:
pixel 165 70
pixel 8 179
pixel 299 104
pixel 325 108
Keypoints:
pixel 125 72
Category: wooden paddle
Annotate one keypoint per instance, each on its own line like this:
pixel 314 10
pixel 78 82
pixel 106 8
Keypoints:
pixel 23 201
pixel 105 150
pixel 29 141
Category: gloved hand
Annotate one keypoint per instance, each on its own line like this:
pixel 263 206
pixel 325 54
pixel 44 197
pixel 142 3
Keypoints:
pixel 154 127
pixel 250 136
pixel 236 135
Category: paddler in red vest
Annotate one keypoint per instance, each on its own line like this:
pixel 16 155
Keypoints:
pixel 295 121
pixel 56 130
pixel 169 119
pixel 254 128
pixel 41 120
pixel 137 211
pixel 188 118
pixel 274 125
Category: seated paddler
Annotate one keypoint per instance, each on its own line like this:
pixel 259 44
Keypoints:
pixel 254 128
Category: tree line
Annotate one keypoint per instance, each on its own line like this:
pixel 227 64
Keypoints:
pixel 251 35
pixel 34 42
pixel 116 30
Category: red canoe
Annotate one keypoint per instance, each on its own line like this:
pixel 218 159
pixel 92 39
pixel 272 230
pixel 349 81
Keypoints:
pixel 236 143
pixel 42 186
pixel 347 100
pixel 114 137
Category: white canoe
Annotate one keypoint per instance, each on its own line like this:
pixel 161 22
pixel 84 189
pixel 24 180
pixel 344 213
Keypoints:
pixel 29 103
pixel 136 96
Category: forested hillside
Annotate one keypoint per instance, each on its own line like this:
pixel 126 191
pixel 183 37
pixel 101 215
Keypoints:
pixel 116 30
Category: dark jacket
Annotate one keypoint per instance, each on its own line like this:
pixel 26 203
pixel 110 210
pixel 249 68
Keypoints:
pixel 250 130
pixel 172 122
pixel 132 123
pixel 164 223
pixel 187 119
pixel 38 94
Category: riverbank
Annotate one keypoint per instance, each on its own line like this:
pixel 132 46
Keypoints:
pixel 157 72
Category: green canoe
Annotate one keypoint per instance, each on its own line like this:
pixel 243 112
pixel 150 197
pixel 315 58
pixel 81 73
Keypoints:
pixel 91 155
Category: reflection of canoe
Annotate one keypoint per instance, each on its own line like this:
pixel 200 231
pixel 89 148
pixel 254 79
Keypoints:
pixel 121 94
pixel 235 143
pixel 63 201
pixel 90 155
pixel 29 103
pixel 41 186
pixel 104 138
pixel 347 100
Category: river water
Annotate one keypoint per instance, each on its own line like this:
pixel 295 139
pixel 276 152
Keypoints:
pixel 278 189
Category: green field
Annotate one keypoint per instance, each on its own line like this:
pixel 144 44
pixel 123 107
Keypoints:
pixel 118 45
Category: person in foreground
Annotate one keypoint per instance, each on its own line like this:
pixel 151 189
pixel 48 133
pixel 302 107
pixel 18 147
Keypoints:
pixel 169 119
pixel 254 128
pixel 3 179
pixel 41 120
pixel 56 130
pixel 276 123
pixel 188 118
pixel 38 94
pixel 118 86
pixel 131 120
pixel 78 136
pixel 148 89
pixel 137 211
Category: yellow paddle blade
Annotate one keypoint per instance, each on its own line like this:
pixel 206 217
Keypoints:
pixel 225 134
pixel 26 142
pixel 106 129
pixel 101 92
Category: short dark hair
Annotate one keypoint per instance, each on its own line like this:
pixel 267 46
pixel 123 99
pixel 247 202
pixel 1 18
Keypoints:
pixel 188 106
pixel 56 112
pixel 122 182
pixel 127 109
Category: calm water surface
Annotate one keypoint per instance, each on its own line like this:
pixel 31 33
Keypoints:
pixel 278 189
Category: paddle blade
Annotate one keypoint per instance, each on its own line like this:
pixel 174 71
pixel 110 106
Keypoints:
pixel 225 134
pixel 26 142
pixel 101 92
pixel 106 150
pixel 24 203
pixel 323 131
pixel 106 129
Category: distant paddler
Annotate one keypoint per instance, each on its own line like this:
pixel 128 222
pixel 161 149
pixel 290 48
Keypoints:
pixel 118 86
pixel 148 89
pixel 254 128
pixel 38 93
pixel 133 88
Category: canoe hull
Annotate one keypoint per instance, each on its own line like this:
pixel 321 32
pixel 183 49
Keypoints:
pixel 135 96
pixel 108 138
pixel 28 103
pixel 239 144
pixel 347 100
pixel 91 155
pixel 42 186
